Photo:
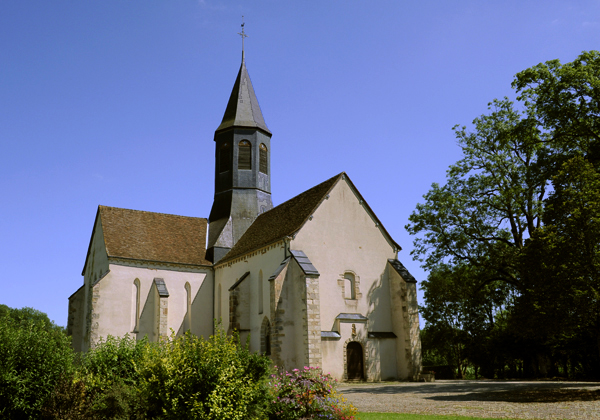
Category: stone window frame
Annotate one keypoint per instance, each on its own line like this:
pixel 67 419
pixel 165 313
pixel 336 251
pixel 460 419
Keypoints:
pixel 342 281
pixel 364 344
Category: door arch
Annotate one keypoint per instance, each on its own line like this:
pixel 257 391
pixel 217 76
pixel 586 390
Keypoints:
pixel 355 361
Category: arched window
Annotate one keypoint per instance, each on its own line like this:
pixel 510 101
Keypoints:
pixel 219 316
pixel 135 306
pixel 263 163
pixel 349 286
pixel 187 320
pixel 245 155
pixel 224 157
pixel 265 337
pixel 260 292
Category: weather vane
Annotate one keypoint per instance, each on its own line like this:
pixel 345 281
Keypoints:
pixel 243 35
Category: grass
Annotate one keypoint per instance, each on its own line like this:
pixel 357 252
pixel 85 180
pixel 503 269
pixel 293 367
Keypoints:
pixel 396 416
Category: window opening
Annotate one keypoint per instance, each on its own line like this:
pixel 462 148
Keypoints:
pixel 135 310
pixel 245 155
pixel 260 292
pixel 349 286
pixel 263 163
pixel 224 157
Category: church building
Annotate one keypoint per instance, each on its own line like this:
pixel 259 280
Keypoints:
pixel 314 281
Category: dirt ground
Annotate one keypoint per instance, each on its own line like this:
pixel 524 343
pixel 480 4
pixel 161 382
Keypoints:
pixel 503 399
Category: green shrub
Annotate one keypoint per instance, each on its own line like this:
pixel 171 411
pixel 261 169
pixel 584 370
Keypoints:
pixel 34 354
pixel 307 393
pixel 111 377
pixel 191 378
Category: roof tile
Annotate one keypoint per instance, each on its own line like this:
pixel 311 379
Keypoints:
pixel 281 221
pixel 142 235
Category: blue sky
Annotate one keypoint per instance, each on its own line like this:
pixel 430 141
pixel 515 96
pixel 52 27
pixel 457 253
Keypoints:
pixel 115 102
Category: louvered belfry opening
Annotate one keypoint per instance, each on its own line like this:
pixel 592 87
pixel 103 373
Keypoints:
pixel 263 166
pixel 224 158
pixel 245 155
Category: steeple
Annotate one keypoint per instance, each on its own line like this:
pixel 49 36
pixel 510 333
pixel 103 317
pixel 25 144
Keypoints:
pixel 242 168
pixel 243 109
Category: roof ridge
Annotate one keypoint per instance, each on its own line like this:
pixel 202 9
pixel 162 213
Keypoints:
pixel 304 192
pixel 283 220
pixel 151 212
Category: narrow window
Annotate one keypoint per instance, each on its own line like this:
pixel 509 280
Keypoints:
pixel 187 321
pixel 245 155
pixel 219 305
pixel 260 292
pixel 349 286
pixel 263 166
pixel 224 157
pixel 135 308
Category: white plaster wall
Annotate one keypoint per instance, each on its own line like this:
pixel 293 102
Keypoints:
pixel 96 266
pixel 267 260
pixel 116 300
pixel 342 237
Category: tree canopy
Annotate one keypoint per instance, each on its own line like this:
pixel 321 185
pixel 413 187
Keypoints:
pixel 511 240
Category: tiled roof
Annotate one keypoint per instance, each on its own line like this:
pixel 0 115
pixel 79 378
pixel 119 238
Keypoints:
pixel 142 235
pixel 281 221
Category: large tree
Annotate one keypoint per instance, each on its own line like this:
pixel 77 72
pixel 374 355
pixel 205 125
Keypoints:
pixel 495 200
pixel 491 201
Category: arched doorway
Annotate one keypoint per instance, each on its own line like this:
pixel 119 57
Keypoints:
pixel 354 361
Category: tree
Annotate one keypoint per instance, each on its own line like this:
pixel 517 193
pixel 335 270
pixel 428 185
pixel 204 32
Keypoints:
pixel 562 263
pixel 565 100
pixel 492 199
pixel 34 354
pixel 493 216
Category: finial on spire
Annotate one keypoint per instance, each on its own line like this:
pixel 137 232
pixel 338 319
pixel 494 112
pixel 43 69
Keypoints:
pixel 243 35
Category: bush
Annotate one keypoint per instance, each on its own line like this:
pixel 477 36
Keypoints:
pixel 34 355
pixel 191 378
pixel 110 373
pixel 307 393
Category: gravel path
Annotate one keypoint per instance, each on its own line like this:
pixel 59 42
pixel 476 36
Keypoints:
pixel 504 399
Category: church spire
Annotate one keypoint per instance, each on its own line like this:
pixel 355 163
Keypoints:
pixel 243 109
pixel 242 167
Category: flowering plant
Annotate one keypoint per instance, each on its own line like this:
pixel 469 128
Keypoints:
pixel 307 394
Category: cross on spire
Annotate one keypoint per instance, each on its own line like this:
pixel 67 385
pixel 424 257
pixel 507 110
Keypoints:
pixel 243 35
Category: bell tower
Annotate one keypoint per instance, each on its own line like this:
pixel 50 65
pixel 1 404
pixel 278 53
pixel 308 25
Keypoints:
pixel 242 168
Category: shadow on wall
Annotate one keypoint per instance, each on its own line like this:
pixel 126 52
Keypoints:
pixel 199 320
pixel 148 324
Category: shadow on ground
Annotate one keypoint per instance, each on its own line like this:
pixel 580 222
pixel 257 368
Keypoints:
pixel 501 391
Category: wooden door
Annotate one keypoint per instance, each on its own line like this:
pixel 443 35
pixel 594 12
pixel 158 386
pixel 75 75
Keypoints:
pixel 354 360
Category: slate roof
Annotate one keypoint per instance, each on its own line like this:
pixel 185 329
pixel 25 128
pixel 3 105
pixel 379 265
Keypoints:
pixel 157 237
pixel 307 267
pixel 400 269
pixel 243 109
pixel 161 287
pixel 281 221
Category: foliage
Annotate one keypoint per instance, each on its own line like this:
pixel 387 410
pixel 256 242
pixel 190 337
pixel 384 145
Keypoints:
pixel 34 354
pixel 513 280
pixel 191 378
pixel 307 393
pixel 402 416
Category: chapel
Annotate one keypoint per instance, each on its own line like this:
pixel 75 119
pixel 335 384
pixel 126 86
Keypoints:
pixel 315 281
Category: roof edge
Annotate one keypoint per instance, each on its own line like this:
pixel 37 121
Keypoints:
pixel 372 213
pixel 87 255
